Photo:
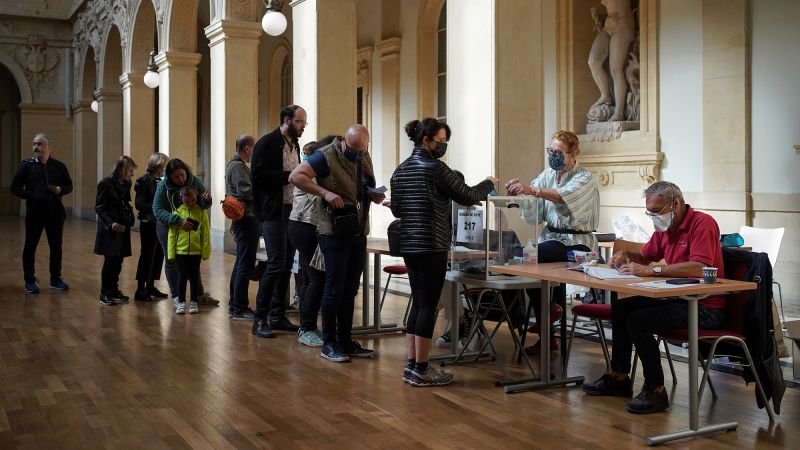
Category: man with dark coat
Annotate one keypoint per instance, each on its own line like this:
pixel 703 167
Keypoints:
pixel 274 157
pixel 42 181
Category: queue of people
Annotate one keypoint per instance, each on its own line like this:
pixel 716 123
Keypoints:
pixel 319 204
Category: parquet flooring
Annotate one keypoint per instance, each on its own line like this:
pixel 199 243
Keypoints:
pixel 74 374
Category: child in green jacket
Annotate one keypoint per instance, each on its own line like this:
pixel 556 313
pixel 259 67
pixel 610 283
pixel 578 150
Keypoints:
pixel 188 247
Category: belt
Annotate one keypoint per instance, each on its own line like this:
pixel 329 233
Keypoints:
pixel 566 230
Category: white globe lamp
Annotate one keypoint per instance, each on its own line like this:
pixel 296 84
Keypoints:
pixel 151 78
pixel 274 23
pixel 95 106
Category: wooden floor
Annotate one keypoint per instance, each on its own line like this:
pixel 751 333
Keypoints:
pixel 74 374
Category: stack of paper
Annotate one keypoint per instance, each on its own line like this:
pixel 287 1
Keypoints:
pixel 605 273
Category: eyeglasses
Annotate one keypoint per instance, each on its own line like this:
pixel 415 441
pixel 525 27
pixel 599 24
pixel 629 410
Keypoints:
pixel 301 122
pixel 654 214
pixel 553 151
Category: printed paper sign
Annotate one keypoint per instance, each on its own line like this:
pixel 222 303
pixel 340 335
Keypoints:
pixel 469 227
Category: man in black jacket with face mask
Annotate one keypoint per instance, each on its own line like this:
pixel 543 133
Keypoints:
pixel 42 181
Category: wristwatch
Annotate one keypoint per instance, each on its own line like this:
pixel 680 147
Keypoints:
pixel 657 270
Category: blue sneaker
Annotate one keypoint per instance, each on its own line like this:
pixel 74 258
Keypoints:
pixel 59 285
pixel 31 287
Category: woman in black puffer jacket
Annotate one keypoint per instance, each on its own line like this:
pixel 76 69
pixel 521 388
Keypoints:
pixel 422 189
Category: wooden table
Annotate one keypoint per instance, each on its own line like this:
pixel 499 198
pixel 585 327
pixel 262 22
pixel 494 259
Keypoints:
pixel 555 272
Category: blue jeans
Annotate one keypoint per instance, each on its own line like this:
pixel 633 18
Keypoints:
pixel 245 233
pixel 271 300
pixel 312 281
pixel 344 263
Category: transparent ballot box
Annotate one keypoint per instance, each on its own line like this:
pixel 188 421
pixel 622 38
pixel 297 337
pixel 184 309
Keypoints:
pixel 493 232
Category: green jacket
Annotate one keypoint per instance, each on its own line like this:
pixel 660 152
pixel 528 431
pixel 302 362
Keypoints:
pixel 192 242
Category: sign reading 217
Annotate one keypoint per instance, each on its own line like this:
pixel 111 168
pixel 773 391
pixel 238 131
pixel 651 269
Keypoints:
pixel 469 227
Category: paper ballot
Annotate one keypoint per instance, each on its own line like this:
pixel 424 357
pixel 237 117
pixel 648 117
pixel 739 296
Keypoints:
pixel 605 273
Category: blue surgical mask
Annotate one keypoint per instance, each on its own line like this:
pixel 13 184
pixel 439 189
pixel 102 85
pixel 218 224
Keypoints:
pixel 556 161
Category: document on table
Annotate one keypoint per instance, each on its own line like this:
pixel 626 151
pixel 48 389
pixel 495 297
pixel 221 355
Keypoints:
pixel 605 273
pixel 461 248
pixel 662 284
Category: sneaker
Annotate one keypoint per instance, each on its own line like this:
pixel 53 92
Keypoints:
pixel 407 374
pixel 207 299
pixel 193 307
pixel 309 338
pixel 247 314
pixel 155 293
pixel 536 349
pixel 431 377
pixel 175 301
pixel 555 314
pixel 609 386
pixel 357 351
pixel 119 297
pixel 31 287
pixel 181 308
pixel 59 285
pixel 445 339
pixel 333 352
pixel 105 300
pixel 650 400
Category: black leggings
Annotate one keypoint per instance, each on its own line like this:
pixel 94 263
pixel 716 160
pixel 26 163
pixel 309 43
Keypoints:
pixel 188 270
pixel 426 273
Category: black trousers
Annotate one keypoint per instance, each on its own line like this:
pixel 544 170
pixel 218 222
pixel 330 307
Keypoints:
pixel 344 263
pixel 271 300
pixel 245 233
pixel 109 275
pixel 552 251
pixel 426 273
pixel 188 270
pixel 303 236
pixel 151 257
pixel 635 320
pixel 52 223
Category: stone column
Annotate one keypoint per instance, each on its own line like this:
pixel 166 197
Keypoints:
pixel 234 105
pixel 386 153
pixel 324 46
pixel 726 106
pixel 138 123
pixel 84 173
pixel 177 105
pixel 109 129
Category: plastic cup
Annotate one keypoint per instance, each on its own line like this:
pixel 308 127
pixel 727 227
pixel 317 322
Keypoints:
pixel 709 275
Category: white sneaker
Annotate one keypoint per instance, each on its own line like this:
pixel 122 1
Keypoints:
pixel 181 308
pixel 193 307
pixel 174 302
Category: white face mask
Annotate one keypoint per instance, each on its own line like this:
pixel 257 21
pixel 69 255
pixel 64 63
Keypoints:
pixel 662 221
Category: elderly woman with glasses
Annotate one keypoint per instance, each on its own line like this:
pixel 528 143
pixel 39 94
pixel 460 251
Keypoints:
pixel 569 203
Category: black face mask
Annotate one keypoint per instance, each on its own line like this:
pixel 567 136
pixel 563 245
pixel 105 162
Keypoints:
pixel 351 154
pixel 440 150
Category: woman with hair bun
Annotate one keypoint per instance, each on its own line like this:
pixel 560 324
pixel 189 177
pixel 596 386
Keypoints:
pixel 422 189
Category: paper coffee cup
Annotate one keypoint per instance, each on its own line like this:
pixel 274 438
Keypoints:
pixel 709 275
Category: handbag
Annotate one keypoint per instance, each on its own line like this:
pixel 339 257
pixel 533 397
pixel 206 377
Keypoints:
pixel 345 220
pixel 393 234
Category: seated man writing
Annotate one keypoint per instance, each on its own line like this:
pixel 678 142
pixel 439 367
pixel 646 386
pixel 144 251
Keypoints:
pixel 687 240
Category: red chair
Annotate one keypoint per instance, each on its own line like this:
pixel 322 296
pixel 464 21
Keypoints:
pixel 396 271
pixel 731 332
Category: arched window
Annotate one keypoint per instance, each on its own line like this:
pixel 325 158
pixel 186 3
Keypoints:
pixel 441 70
pixel 286 82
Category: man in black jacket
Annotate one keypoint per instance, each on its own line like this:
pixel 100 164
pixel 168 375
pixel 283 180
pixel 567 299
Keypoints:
pixel 275 155
pixel 42 181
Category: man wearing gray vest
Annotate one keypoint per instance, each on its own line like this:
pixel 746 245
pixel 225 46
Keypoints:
pixel 343 171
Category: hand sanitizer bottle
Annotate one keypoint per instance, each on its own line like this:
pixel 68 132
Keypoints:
pixel 529 253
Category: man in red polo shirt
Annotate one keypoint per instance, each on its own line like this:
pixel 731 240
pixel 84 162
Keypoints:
pixel 687 240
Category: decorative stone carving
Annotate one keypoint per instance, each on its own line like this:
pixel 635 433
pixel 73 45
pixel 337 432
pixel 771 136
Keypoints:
pixel 624 171
pixel 617 35
pixel 37 61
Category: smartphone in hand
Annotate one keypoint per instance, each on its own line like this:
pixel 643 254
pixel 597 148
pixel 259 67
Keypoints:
pixel 195 224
